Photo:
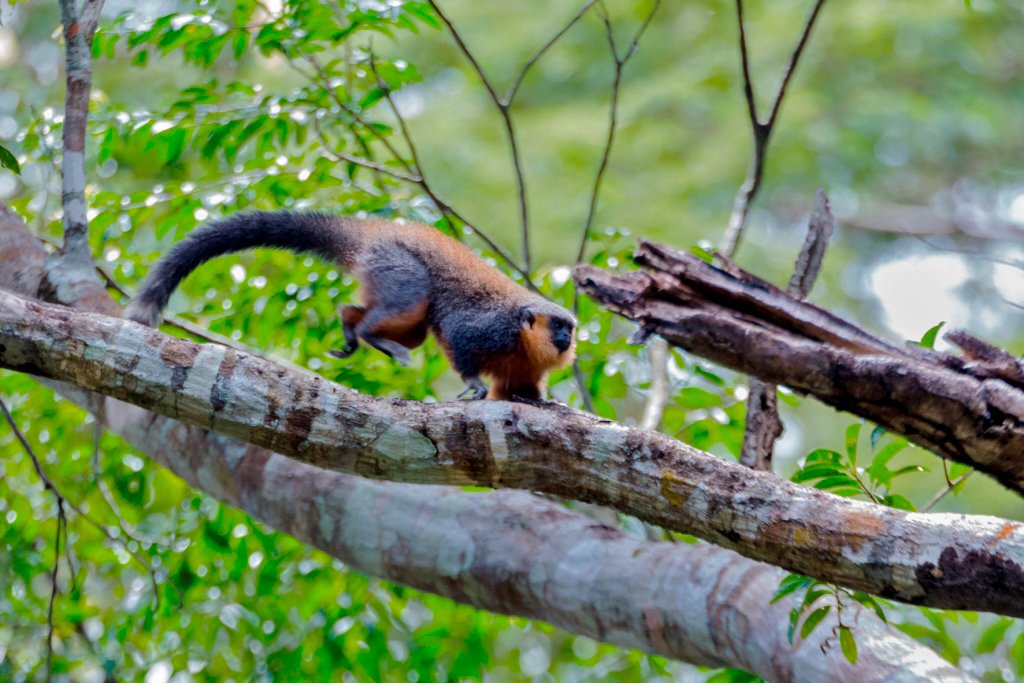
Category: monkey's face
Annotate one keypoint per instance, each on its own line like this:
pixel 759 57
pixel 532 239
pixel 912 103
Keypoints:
pixel 547 332
pixel 561 330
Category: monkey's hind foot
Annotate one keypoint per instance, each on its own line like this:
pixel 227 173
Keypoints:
pixel 344 352
pixel 475 389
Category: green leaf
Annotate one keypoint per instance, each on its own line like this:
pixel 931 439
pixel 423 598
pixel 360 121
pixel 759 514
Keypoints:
pixel 876 435
pixel 897 501
pixel 870 601
pixel 817 472
pixel 702 253
pixel 928 340
pixel 879 470
pixel 993 636
pixel 9 161
pixel 957 470
pixel 823 455
pixel 695 397
pixel 813 619
pixel 848 644
pixel 844 480
pixel 791 584
pixel 852 436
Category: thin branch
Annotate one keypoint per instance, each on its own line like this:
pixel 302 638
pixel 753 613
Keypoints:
pixel 763 426
pixel 790 69
pixel 657 399
pixel 613 117
pixel 442 205
pixel 61 521
pixel 944 491
pixel 351 111
pixel 748 83
pixel 108 496
pixel 760 128
pixel 620 62
pixel 513 89
pixel 63 501
pixel 503 108
pixel 581 385
pixel 448 212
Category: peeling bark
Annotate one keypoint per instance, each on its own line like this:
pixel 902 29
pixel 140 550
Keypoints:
pixel 968 409
pixel 549 448
pixel 514 553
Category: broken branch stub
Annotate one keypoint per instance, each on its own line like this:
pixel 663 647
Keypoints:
pixel 969 409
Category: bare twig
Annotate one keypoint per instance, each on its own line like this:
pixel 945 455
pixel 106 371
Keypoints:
pixel 620 60
pixel 503 108
pixel 108 496
pixel 61 521
pixel 63 501
pixel 657 399
pixel 442 205
pixel 450 215
pixel 355 114
pixel 763 426
pixel 513 89
pixel 761 128
pixel 945 490
pixel 581 384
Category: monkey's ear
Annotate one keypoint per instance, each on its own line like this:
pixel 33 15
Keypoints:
pixel 526 319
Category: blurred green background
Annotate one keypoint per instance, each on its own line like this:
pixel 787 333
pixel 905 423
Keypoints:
pixel 910 114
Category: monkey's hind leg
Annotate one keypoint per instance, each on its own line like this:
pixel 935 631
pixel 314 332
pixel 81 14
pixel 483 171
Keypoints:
pixel 350 317
pixel 394 331
pixel 397 290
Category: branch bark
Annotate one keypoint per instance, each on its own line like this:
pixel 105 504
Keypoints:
pixel 961 562
pixel 66 274
pixel 512 552
pixel 968 409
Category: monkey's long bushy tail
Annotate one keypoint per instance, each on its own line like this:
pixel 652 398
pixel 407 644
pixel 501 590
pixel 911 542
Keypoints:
pixel 321 234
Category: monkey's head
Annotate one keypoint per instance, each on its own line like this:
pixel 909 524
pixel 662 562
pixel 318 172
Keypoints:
pixel 547 334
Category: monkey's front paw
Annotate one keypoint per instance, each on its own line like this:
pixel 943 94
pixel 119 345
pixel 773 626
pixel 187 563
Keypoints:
pixel 402 357
pixel 475 390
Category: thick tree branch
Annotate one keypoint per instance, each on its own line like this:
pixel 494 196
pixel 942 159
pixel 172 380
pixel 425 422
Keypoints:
pixel 66 274
pixel 963 408
pixel 937 560
pixel 79 28
pixel 513 553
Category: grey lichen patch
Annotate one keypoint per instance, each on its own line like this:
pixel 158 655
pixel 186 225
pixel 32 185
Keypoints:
pixel 403 446
pixel 328 521
pixel 605 441
pixel 456 553
pixel 498 441
pixel 203 376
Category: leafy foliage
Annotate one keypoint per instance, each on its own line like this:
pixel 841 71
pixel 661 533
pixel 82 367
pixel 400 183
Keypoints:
pixel 838 473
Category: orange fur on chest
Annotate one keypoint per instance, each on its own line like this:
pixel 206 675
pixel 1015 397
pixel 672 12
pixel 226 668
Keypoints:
pixel 524 372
